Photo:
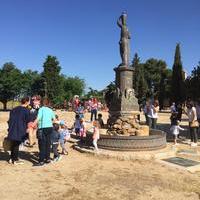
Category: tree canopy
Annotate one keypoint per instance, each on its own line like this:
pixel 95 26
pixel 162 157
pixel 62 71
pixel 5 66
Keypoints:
pixel 10 83
pixel 177 84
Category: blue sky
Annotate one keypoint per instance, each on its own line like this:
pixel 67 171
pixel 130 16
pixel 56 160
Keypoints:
pixel 84 36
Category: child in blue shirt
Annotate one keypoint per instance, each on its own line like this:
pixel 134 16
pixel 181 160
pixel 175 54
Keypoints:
pixel 64 136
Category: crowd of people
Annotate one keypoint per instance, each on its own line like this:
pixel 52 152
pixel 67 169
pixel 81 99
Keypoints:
pixel 191 109
pixel 89 105
pixel 36 117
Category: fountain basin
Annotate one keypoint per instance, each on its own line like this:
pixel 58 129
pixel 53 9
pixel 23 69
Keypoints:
pixel 155 140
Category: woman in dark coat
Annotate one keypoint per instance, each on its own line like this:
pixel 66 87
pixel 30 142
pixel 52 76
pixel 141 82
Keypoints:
pixel 17 126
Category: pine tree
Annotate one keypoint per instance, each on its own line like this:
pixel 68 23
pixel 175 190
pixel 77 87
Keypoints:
pixel 178 94
pixel 52 78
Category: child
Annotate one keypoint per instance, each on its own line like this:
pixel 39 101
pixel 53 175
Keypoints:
pixel 96 134
pixel 100 120
pixel 55 136
pixel 82 131
pixel 175 130
pixel 80 110
pixel 57 120
pixel 64 136
pixel 77 125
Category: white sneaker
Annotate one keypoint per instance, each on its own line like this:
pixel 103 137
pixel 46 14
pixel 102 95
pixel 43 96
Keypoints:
pixel 10 161
pixel 18 162
pixel 57 158
pixel 21 147
pixel 193 144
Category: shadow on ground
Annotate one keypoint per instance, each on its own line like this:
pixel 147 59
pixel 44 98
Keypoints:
pixel 25 155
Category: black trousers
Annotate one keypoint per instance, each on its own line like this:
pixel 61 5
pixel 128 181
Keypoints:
pixel 55 150
pixel 14 156
pixel 193 134
pixel 44 143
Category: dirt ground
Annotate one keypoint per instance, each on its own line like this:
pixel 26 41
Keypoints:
pixel 81 176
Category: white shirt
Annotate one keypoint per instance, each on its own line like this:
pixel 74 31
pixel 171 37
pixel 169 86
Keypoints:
pixel 175 129
pixel 198 111
pixel 152 113
pixel 192 114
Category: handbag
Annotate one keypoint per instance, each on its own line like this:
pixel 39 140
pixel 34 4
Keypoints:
pixel 194 124
pixel 6 144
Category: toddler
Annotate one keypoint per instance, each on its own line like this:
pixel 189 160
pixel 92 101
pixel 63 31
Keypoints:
pixel 96 134
pixel 82 131
pixel 55 136
pixel 175 130
pixel 100 120
pixel 64 136
pixel 77 125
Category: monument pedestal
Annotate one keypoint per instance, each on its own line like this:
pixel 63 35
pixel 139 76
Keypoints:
pixel 124 108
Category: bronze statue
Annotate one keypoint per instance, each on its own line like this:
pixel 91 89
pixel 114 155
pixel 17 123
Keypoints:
pixel 124 40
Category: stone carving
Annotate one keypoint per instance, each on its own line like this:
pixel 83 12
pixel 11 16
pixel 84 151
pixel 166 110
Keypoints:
pixel 124 40
pixel 129 92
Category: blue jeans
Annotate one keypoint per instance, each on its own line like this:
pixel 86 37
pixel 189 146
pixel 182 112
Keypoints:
pixel 93 113
pixel 152 122
pixel 44 143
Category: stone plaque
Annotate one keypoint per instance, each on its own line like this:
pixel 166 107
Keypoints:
pixel 182 161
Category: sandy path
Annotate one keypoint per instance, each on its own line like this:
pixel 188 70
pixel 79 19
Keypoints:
pixel 81 176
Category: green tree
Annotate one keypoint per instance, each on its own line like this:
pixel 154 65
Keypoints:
pixel 73 86
pixel 38 86
pixel 109 92
pixel 177 84
pixel 10 83
pixel 153 69
pixel 29 78
pixel 139 82
pixel 95 93
pixel 165 87
pixel 52 78
pixel 193 83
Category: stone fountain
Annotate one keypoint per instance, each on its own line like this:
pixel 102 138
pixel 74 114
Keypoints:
pixel 124 131
pixel 123 106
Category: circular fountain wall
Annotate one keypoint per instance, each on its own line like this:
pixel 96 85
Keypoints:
pixel 155 140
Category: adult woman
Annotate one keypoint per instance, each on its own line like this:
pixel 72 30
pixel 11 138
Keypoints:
pixel 45 120
pixel 17 126
pixel 198 112
pixel 94 106
pixel 153 114
pixel 35 105
pixel 146 111
pixel 193 123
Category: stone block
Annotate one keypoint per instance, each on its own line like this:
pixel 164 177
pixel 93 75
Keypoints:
pixel 143 131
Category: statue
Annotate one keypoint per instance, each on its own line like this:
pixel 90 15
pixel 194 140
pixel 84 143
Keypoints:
pixel 124 40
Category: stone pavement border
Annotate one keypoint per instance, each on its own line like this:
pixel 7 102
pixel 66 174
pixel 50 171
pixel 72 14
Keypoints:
pixel 157 155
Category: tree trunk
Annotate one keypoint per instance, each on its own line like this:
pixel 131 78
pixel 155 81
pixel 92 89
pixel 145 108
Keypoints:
pixel 4 105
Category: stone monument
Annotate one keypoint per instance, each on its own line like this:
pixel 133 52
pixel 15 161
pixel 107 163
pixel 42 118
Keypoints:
pixel 123 105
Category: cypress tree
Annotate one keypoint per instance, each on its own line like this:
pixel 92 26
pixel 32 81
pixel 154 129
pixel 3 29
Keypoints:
pixel 177 84
pixel 52 78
